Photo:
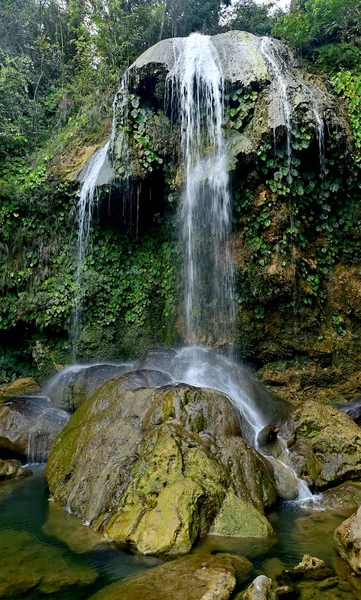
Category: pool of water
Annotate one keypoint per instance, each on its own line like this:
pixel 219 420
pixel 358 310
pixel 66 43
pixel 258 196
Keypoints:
pixel 49 553
pixel 53 554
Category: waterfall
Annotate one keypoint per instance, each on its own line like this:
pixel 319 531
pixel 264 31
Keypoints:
pixel 84 211
pixel 271 51
pixel 205 214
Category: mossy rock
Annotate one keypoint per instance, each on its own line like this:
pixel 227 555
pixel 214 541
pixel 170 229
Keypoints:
pixel 195 577
pixel 333 437
pixel 19 387
pixel 151 467
pixel 240 519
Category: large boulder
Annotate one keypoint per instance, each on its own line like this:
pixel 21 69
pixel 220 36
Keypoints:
pixel 74 385
pixel 154 467
pixel 195 577
pixel 331 443
pixel 347 538
pixel 28 427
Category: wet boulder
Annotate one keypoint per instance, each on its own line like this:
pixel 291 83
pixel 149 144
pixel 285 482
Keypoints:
pixel 12 469
pixel 331 443
pixel 195 577
pixel 347 538
pixel 28 427
pixel 19 387
pixel 152 468
pixel 69 388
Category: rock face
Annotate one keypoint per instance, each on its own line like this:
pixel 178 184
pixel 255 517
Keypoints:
pixel 331 443
pixel 19 387
pixel 154 467
pixel 12 469
pixel 347 539
pixel 28 427
pixel 195 577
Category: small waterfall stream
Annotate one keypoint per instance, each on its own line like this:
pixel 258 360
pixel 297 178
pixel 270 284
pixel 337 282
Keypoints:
pixel 84 212
pixel 205 215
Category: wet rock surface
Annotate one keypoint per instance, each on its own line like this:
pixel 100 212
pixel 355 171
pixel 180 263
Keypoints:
pixel 347 540
pixel 28 427
pixel 195 577
pixel 154 467
pixel 260 589
pixel 74 385
pixel 12 469
pixel 19 387
pixel 333 443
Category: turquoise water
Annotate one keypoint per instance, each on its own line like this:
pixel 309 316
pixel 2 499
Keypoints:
pixel 53 555
pixel 30 532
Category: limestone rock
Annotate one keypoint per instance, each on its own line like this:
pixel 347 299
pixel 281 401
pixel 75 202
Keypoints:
pixel 332 436
pixel 28 563
pixel 260 589
pixel 151 467
pixel 347 538
pixel 28 427
pixel 11 469
pixel 19 387
pixel 195 577
pixel 311 567
pixel 239 518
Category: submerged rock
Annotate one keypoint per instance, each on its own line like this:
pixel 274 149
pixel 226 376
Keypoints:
pixel 152 467
pixel 12 469
pixel 347 538
pixel 333 440
pixel 195 577
pixel 28 427
pixel 28 563
pixel 19 387
pixel 311 567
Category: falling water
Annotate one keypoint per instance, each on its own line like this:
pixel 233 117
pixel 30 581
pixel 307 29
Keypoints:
pixel 271 51
pixel 205 215
pixel 84 215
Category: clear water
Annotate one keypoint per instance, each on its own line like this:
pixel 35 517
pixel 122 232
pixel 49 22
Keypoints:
pixel 25 509
pixel 205 214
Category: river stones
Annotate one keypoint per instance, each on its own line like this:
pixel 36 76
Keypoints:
pixel 12 469
pixel 28 563
pixel 195 577
pixel 347 538
pixel 152 467
pixel 333 438
pixel 28 427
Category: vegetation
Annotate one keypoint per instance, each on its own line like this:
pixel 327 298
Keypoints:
pixel 60 66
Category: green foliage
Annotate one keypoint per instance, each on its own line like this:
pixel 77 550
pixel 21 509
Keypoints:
pixel 241 105
pixel 248 15
pixel 348 85
pixel 315 22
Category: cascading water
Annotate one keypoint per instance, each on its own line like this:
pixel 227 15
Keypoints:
pixel 205 215
pixel 85 207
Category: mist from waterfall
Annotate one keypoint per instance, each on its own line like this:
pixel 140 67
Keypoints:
pixel 205 213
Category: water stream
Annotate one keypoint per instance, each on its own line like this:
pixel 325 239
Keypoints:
pixel 84 213
pixel 205 214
